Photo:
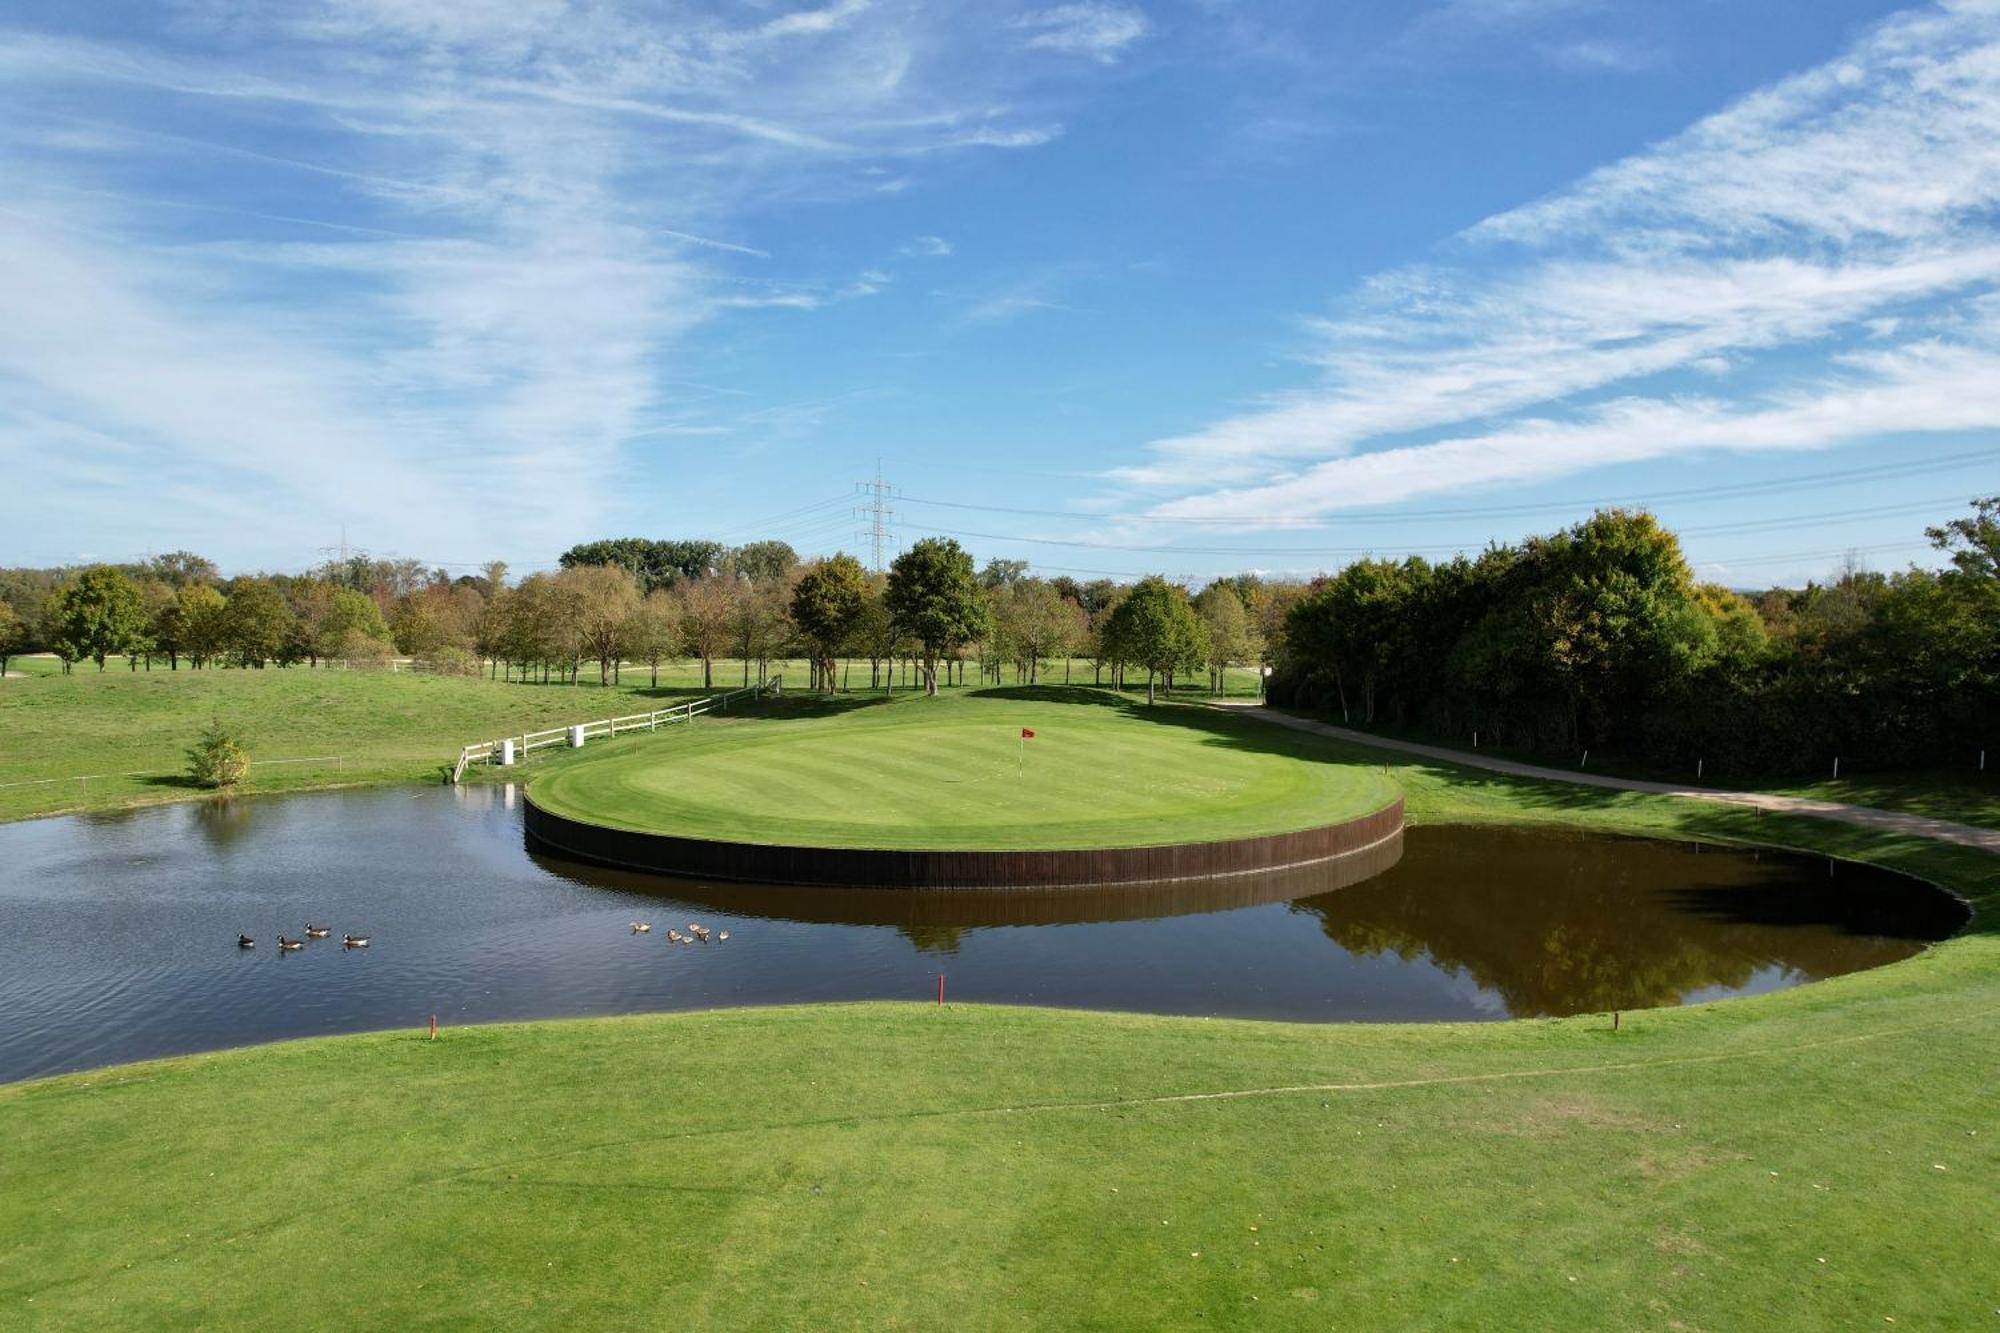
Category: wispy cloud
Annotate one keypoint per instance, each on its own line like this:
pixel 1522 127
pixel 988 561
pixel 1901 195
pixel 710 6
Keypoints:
pixel 1094 29
pixel 521 208
pixel 929 247
pixel 1560 336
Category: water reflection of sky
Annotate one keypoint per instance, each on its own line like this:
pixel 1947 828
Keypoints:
pixel 117 932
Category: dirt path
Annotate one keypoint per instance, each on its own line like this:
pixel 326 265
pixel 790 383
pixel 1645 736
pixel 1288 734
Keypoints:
pixel 1888 821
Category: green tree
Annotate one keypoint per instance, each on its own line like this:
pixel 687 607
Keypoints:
pixel 1000 573
pixel 12 635
pixel 217 759
pixel 1156 627
pixel 95 617
pixel 763 562
pixel 350 617
pixel 257 623
pixel 1231 636
pixel 200 617
pixel 934 598
pixel 1973 541
pixel 827 603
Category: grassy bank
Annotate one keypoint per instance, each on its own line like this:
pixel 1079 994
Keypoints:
pixel 107 740
pixel 1101 771
pixel 91 741
pixel 1823 1157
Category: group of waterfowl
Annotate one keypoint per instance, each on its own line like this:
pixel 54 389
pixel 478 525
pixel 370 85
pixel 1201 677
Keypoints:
pixel 286 944
pixel 694 932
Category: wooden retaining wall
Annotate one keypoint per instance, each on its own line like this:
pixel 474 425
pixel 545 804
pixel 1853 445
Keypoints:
pixel 861 867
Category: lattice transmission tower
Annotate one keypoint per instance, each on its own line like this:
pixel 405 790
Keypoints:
pixel 879 515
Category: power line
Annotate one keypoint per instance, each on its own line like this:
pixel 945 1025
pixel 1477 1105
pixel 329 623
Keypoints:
pixel 1440 548
pixel 1807 481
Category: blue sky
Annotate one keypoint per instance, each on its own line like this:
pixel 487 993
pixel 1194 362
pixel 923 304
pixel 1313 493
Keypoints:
pixel 1179 285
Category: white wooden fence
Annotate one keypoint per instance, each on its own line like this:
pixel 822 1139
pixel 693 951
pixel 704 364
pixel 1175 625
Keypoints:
pixel 488 752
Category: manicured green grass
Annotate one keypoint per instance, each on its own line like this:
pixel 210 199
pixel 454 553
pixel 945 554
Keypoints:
pixel 954 772
pixel 1965 795
pixel 1822 1157
pixel 125 733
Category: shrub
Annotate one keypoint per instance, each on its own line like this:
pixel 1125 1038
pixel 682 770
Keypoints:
pixel 363 650
pixel 452 660
pixel 217 760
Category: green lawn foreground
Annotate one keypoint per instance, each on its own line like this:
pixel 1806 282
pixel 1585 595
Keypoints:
pixel 1823 1157
pixel 953 772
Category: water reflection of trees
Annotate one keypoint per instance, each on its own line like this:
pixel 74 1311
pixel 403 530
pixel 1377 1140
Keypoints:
pixel 1557 924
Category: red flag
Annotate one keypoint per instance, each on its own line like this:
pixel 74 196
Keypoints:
pixel 1026 734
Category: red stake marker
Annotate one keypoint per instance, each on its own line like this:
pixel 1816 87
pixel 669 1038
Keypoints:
pixel 434 1027
pixel 940 990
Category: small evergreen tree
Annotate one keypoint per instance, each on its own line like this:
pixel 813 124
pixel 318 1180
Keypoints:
pixel 217 760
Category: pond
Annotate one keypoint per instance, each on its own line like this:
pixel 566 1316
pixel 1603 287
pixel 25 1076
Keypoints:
pixel 118 932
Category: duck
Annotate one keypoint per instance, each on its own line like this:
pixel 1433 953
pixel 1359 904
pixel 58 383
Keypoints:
pixel 721 935
pixel 245 942
pixel 353 941
pixel 642 927
pixel 317 932
pixel 286 946
pixel 699 932
pixel 673 936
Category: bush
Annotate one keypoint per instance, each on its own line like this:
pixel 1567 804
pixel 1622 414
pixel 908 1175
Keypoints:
pixel 217 760
pixel 363 650
pixel 452 660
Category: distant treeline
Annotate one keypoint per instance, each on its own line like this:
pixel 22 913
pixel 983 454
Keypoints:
pixel 1599 638
pixel 1595 638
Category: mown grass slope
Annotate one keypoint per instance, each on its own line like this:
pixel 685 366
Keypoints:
pixel 955 772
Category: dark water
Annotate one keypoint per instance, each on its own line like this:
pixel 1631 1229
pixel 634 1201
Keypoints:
pixel 117 932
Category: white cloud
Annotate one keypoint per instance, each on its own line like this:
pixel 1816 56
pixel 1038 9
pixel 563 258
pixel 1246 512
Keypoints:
pixel 1094 29
pixel 929 247
pixel 531 200
pixel 1814 215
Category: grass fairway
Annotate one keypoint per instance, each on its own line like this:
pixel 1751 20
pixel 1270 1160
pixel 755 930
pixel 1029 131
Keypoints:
pixel 952 772
pixel 1823 1157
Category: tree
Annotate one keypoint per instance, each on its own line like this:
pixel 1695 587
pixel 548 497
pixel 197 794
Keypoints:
pixel 95 617
pixel 763 624
pixel 1000 573
pixel 1231 637
pixel 12 635
pixel 1157 628
pixel 827 603
pixel 763 562
pixel 602 599
pixel 875 631
pixel 257 623
pixel 200 615
pixel 653 631
pixel 1034 621
pixel 1974 542
pixel 180 568
pixel 708 617
pixel 656 564
pixel 217 759
pixel 493 578
pixel 350 616
pixel 934 598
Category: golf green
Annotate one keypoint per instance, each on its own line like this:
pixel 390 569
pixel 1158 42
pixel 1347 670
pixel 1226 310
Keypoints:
pixel 955 772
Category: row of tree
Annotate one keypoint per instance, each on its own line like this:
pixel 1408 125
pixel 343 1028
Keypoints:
pixel 1599 638
pixel 651 602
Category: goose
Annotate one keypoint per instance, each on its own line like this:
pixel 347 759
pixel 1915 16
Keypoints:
pixel 642 927
pixel 354 941
pixel 699 932
pixel 317 932
pixel 245 942
pixel 722 935
pixel 286 946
